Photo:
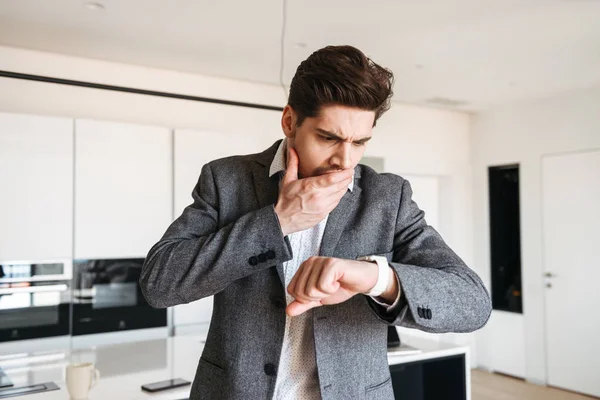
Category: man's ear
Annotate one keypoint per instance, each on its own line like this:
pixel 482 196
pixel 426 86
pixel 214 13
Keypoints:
pixel 288 121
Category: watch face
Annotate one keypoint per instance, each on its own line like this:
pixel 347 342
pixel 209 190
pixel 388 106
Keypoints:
pixel 366 258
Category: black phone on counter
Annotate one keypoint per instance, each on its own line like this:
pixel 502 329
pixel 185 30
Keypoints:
pixel 164 385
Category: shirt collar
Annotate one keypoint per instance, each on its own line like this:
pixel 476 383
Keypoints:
pixel 278 164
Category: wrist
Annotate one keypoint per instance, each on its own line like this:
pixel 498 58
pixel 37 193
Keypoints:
pixel 381 272
pixel 281 221
pixel 391 292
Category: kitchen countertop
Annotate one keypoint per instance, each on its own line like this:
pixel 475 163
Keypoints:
pixel 125 367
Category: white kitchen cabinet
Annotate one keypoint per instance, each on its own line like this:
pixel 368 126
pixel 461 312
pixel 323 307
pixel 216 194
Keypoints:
pixel 36 186
pixel 193 149
pixel 123 188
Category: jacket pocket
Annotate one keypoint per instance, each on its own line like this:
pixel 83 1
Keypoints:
pixel 379 385
pixel 212 364
pixel 210 382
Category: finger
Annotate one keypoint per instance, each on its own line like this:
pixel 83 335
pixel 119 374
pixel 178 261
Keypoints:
pixel 292 288
pixel 343 185
pixel 338 297
pixel 330 207
pixel 296 308
pixel 334 199
pixel 313 289
pixel 291 172
pixel 305 271
pixel 337 192
pixel 331 178
pixel 334 177
pixel 327 282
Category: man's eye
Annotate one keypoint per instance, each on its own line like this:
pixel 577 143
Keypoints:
pixel 328 138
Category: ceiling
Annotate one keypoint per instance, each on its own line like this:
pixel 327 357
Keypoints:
pixel 468 54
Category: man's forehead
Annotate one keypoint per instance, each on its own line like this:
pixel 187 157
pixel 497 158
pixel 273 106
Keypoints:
pixel 345 122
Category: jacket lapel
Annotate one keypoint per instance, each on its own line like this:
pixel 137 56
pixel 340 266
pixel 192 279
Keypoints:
pixel 267 188
pixel 339 218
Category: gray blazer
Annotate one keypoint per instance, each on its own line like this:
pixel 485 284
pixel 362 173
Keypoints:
pixel 229 244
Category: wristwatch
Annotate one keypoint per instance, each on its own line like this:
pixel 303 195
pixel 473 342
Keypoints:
pixel 383 277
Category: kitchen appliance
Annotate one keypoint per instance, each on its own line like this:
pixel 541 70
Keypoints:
pixel 393 340
pixel 4 380
pixel 107 297
pixel 35 299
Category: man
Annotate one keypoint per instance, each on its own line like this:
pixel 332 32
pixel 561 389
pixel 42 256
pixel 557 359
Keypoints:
pixel 350 246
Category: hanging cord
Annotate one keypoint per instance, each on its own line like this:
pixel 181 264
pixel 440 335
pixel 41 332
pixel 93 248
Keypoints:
pixel 282 49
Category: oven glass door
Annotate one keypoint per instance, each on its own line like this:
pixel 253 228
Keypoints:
pixel 107 297
pixel 34 309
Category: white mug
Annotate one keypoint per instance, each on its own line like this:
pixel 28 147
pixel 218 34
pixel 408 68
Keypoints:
pixel 80 379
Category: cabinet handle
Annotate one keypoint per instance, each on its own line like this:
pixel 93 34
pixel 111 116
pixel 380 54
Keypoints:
pixel 35 289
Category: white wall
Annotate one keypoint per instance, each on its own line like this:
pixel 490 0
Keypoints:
pixel 53 99
pixel 413 140
pixel 522 134
pixel 422 141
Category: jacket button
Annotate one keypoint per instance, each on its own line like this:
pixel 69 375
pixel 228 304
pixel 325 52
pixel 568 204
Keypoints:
pixel 270 254
pixel 262 257
pixel 428 313
pixel 420 311
pixel 253 261
pixel 279 302
pixel 270 369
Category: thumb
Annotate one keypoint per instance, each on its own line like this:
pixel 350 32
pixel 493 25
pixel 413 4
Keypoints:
pixel 291 173
pixel 296 308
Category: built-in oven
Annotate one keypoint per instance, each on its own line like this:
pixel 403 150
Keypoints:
pixel 35 299
pixel 107 297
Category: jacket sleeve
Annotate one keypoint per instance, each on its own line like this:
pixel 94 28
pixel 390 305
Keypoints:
pixel 197 258
pixel 439 292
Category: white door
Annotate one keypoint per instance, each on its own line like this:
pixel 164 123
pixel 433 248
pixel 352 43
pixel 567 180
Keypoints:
pixel 36 187
pixel 123 188
pixel 571 223
pixel 193 149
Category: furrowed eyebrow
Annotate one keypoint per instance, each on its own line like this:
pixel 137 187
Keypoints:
pixel 335 136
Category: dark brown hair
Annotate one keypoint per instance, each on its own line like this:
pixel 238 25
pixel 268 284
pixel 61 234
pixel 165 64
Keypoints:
pixel 340 75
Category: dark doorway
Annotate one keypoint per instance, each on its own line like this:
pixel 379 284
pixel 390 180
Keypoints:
pixel 505 238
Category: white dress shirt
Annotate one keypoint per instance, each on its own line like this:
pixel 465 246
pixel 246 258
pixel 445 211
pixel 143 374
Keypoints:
pixel 297 376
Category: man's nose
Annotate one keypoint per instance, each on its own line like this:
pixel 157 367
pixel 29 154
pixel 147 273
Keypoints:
pixel 343 156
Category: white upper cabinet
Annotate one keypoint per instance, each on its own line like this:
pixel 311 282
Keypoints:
pixel 123 188
pixel 36 187
pixel 194 148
